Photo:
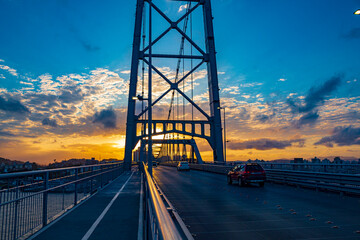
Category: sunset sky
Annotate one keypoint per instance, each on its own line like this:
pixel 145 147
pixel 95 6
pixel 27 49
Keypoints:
pixel 289 76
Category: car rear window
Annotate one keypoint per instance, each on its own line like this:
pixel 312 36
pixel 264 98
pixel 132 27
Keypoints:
pixel 253 168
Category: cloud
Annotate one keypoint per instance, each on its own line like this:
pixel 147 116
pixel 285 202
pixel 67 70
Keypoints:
pixel 6 134
pixel 342 136
pixel 314 99
pixel 353 33
pixel 242 113
pixel 263 118
pixel 27 83
pixel 282 80
pixel 49 122
pixel 107 117
pixel 12 105
pixel 183 7
pixel 251 84
pixel 47 85
pixel 71 99
pixel 232 90
pixel 71 94
pixel 10 70
pixel 265 144
pixel 308 118
pixel 316 96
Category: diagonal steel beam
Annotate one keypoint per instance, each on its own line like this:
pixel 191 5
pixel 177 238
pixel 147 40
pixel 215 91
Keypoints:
pixel 158 38
pixel 160 12
pixel 193 70
pixel 158 72
pixel 190 41
pixel 155 102
pixel 194 104
pixel 187 13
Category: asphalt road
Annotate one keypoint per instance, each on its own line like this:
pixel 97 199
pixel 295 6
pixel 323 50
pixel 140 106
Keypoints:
pixel 214 210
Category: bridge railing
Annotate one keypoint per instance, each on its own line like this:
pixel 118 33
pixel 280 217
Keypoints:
pixel 161 219
pixel 315 167
pixel 345 168
pixel 31 200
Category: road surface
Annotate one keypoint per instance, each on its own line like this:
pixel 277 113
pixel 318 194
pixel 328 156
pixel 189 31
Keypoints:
pixel 214 210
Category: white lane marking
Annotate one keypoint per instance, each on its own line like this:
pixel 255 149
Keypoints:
pixel 141 213
pixel 98 220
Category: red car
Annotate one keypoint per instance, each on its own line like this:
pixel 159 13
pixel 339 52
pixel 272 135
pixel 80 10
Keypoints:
pixel 247 173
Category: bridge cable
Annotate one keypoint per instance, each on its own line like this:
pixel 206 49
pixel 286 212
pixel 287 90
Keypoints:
pixel 171 112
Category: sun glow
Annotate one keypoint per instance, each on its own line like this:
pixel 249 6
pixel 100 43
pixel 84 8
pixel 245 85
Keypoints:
pixel 120 143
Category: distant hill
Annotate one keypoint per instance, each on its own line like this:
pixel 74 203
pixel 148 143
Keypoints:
pixel 7 166
pixel 9 162
pixel 280 161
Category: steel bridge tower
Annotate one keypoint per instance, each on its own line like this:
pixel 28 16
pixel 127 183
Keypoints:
pixel 144 54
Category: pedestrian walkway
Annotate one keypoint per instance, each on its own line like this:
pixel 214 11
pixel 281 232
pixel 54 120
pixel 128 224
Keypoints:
pixel 113 213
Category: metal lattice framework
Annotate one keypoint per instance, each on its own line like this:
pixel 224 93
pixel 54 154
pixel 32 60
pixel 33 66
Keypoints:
pixel 206 56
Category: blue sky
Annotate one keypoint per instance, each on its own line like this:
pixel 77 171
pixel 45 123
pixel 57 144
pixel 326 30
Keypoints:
pixel 270 54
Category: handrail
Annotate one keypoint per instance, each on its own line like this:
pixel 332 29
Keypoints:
pixel 165 223
pixel 27 173
pixel 52 188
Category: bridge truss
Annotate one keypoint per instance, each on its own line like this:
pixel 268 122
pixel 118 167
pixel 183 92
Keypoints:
pixel 178 127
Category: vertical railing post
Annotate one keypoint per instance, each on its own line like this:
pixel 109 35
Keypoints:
pixel 45 199
pixel 63 199
pixel 101 176
pixel 16 209
pixel 76 186
pixel 91 180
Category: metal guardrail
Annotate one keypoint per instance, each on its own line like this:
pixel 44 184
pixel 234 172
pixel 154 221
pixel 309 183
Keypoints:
pixel 343 183
pixel 346 168
pixel 331 167
pixel 161 219
pixel 31 200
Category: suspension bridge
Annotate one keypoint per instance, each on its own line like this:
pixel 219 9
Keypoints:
pixel 165 122
pixel 185 118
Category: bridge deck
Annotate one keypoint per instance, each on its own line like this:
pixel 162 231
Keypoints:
pixel 119 222
pixel 215 210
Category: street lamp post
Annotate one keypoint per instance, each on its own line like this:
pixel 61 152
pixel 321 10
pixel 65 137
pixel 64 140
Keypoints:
pixel 141 98
pixel 224 133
